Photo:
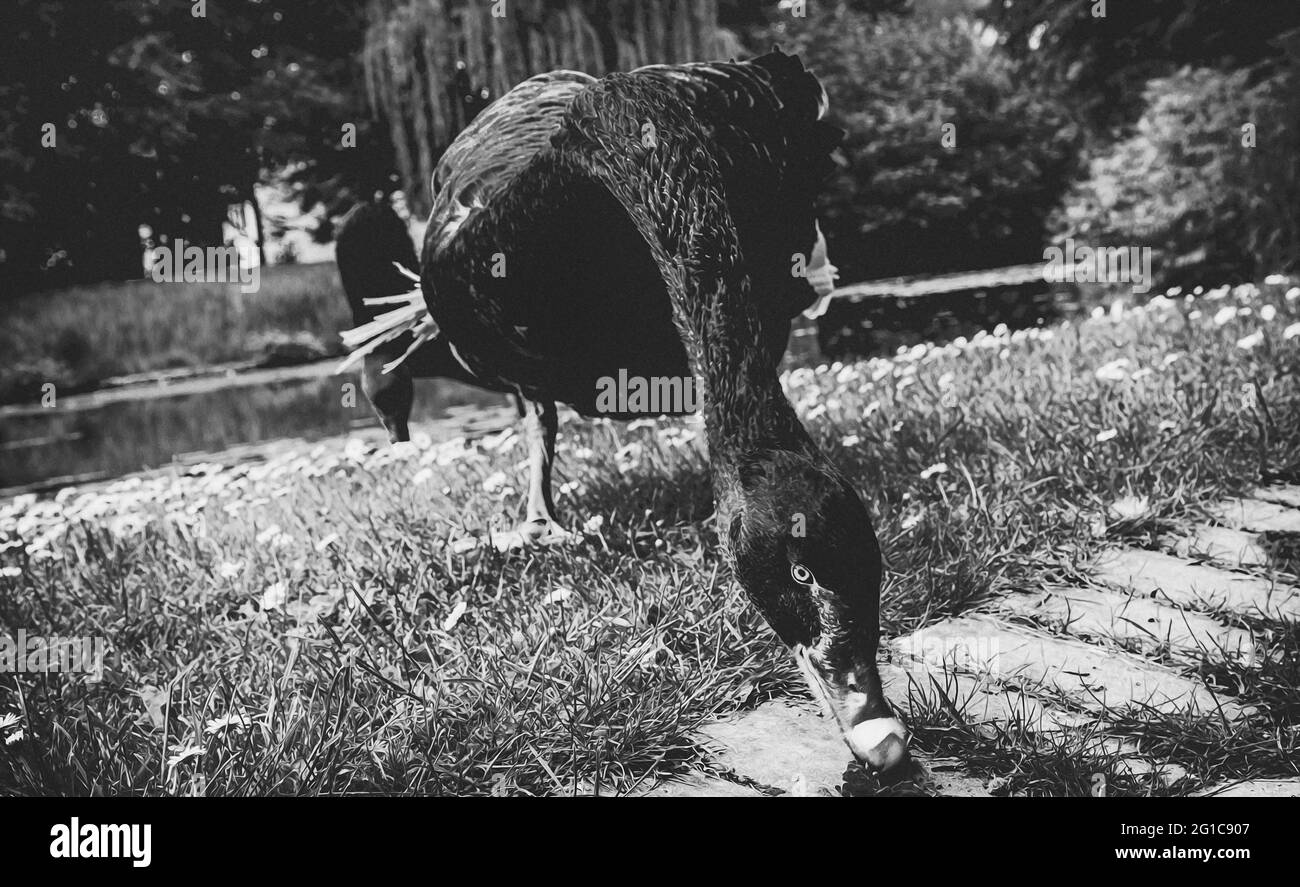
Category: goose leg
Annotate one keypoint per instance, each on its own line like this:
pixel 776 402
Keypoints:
pixel 539 526
pixel 541 423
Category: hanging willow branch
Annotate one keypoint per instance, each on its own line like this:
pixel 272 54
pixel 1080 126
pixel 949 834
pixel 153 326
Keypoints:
pixel 431 65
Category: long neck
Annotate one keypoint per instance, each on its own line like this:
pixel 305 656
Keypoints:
pixel 677 199
pixel 746 413
pixel 674 193
pixel 745 409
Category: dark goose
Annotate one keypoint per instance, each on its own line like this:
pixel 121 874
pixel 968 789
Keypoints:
pixel 647 222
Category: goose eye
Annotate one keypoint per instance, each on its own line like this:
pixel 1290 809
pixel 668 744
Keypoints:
pixel 801 574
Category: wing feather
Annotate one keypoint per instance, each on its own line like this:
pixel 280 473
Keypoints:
pixel 755 126
pixel 489 153
pixel 764 122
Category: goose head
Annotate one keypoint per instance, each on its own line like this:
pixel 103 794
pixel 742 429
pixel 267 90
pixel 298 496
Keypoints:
pixel 803 549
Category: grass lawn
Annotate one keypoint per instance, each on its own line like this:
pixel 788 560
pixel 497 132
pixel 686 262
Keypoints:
pixel 77 337
pixel 300 626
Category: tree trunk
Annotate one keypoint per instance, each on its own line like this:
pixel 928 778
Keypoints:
pixel 428 61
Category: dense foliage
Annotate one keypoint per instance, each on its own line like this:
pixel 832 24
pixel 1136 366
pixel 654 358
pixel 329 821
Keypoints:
pixel 160 116
pixel 954 161
pixel 1209 177
pixel 1105 51
pixel 965 118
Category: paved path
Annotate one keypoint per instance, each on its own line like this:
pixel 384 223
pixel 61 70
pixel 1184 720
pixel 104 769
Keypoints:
pixel 1047 660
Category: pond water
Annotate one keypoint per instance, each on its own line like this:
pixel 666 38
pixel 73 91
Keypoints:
pixel 853 330
pixel 112 433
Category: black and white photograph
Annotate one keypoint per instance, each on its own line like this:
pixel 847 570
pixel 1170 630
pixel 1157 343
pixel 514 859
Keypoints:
pixel 650 399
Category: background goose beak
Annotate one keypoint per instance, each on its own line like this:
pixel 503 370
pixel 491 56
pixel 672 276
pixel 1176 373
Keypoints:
pixel 857 704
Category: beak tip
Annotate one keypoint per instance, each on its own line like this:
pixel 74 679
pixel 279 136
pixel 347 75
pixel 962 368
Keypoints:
pixel 880 742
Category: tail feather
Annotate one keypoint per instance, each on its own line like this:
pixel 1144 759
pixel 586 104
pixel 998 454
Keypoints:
pixel 411 317
pixel 372 247
pixel 375 254
pixel 821 276
pixel 812 142
pixel 804 102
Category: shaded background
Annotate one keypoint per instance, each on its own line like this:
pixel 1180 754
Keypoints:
pixel 126 125
pixel 165 119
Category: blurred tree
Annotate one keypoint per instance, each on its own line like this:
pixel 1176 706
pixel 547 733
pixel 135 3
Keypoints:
pixel 163 117
pixel 431 66
pixel 1107 51
pixel 73 158
pixel 1209 178
pixel 952 160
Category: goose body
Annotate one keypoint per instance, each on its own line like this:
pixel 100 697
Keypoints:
pixel 654 224
pixel 581 297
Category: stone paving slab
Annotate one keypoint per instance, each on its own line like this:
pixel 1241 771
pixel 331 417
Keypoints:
pixel 1166 773
pixel 1282 494
pixel 1092 677
pixel 1257 516
pixel 947 778
pixel 1134 619
pixel 1255 788
pixel 701 785
pixel 1235 548
pixel 990 674
pixel 789 750
pixel 1194 585
pixel 779 743
pixel 975 700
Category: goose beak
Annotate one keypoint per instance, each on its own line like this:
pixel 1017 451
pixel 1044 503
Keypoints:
pixel 856 703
